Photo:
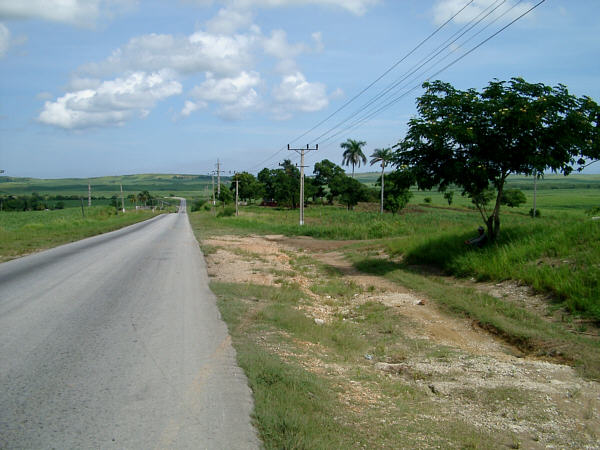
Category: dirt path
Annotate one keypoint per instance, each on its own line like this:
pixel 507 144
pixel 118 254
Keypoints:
pixel 480 379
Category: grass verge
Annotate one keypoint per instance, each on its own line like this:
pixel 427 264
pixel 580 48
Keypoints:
pixel 27 232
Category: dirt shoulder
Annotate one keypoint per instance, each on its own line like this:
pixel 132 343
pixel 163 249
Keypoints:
pixel 455 369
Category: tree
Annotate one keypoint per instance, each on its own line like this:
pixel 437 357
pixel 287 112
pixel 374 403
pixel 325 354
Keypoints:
pixel 477 139
pixel 383 156
pixel 449 196
pixel 282 185
pixel 324 172
pixel 350 190
pixel 249 187
pixel 132 198
pixel 513 198
pixel 225 196
pixel 353 153
pixel 398 192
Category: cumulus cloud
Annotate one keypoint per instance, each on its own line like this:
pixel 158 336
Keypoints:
pixel 235 95
pixel 75 12
pixel 199 52
pixel 294 93
pixel 4 40
pixel 113 102
pixel 444 9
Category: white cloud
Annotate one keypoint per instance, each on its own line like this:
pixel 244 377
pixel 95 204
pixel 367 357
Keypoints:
pixel 358 7
pixel 294 93
pixel 113 102
pixel 4 40
pixel 235 95
pixel 228 21
pixel 75 12
pixel 278 46
pixel 199 52
pixel 444 9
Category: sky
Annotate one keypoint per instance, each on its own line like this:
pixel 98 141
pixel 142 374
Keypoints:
pixel 110 87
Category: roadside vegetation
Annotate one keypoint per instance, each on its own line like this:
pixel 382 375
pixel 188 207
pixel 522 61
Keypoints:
pixel 25 232
pixel 341 354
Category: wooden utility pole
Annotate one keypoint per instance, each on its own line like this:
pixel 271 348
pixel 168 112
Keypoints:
pixel 89 194
pixel 301 152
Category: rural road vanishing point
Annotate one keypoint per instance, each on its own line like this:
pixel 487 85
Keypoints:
pixel 116 342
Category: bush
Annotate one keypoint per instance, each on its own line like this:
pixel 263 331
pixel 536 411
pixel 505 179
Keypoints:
pixel 513 198
pixel 198 204
pixel 427 199
pixel 537 212
pixel 228 211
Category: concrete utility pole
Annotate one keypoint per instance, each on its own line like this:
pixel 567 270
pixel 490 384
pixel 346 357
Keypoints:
pixel 89 194
pixel 122 199
pixel 236 194
pixel 301 152
pixel 213 188
pixel 218 178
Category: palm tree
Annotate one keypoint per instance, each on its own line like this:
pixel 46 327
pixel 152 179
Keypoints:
pixel 383 156
pixel 353 153
pixel 132 198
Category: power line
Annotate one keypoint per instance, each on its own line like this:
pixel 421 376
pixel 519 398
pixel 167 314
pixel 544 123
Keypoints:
pixel 423 62
pixel 368 87
pixel 395 100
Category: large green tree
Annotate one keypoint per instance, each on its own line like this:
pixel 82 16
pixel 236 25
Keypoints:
pixel 324 172
pixel 249 187
pixel 349 190
pixel 382 156
pixel 282 185
pixel 353 154
pixel 475 140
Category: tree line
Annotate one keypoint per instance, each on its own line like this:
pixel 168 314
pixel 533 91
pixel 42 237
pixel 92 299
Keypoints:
pixel 470 140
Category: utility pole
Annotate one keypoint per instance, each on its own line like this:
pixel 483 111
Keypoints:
pixel 218 178
pixel 122 199
pixel 213 188
pixel 89 194
pixel 236 194
pixel 301 152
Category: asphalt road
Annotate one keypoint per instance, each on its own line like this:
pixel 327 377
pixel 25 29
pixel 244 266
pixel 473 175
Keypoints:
pixel 116 342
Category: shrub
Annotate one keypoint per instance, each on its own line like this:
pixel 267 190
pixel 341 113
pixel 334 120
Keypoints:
pixel 427 199
pixel 198 204
pixel 513 198
pixel 537 212
pixel 228 211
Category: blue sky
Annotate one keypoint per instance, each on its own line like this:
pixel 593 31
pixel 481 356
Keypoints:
pixel 109 87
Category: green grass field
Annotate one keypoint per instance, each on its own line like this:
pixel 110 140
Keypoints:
pixel 27 232
pixel 157 184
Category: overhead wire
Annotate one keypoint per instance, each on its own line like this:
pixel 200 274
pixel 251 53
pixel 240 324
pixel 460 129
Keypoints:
pixel 366 88
pixel 436 52
pixel 378 108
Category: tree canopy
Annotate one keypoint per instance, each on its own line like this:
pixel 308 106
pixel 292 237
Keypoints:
pixel 475 140
pixel 353 154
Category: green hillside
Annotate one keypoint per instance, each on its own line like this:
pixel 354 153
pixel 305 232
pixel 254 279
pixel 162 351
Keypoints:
pixel 158 184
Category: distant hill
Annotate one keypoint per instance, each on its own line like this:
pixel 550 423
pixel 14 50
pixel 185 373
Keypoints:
pixel 163 184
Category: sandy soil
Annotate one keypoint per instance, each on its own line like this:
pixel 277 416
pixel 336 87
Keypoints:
pixel 482 379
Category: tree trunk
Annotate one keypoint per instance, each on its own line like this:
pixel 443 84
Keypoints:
pixel 382 169
pixel 493 222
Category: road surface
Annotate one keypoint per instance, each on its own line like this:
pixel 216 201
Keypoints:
pixel 116 342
